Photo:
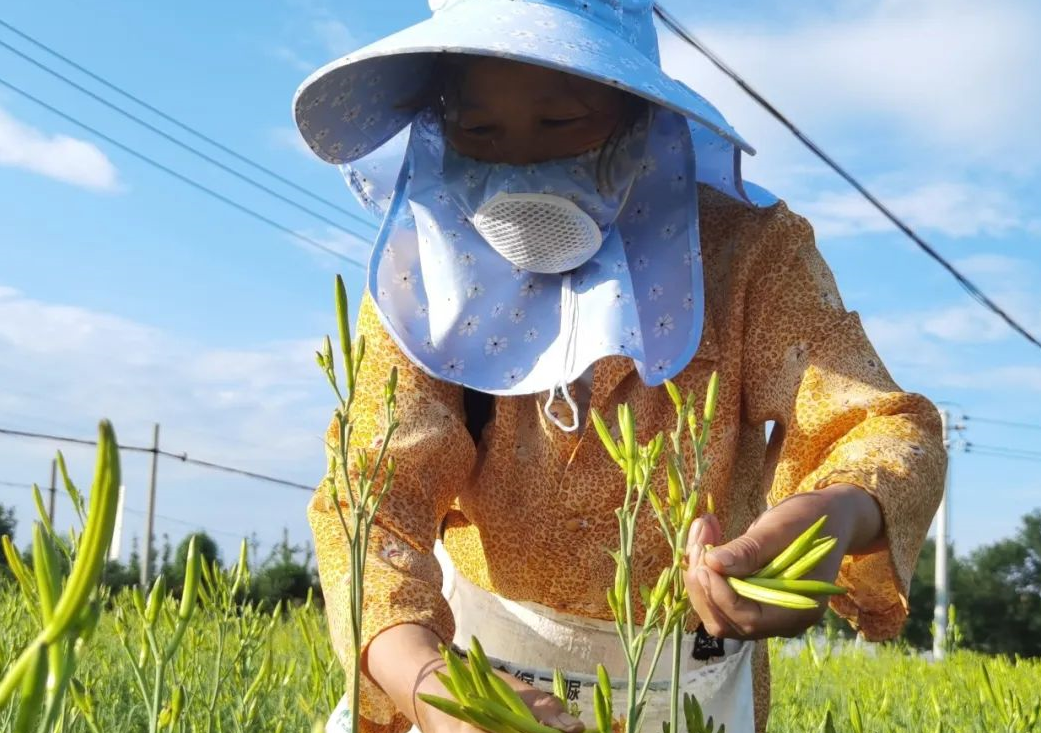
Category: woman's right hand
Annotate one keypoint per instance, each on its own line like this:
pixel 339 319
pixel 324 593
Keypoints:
pixel 402 661
pixel 546 708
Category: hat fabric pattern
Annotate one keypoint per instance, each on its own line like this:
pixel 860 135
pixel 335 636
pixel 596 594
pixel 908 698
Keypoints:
pixel 354 105
pixel 466 315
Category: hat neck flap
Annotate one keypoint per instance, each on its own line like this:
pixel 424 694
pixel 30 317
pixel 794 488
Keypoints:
pixel 464 314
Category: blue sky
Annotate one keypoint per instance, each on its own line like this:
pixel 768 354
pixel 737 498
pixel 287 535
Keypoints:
pixel 126 294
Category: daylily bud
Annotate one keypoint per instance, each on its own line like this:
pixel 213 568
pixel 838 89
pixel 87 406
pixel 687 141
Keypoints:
pixel 605 437
pixel 674 482
pixel 343 324
pixel 155 600
pixel 176 704
pixel 652 497
pixel 710 398
pixel 674 394
pixel 139 601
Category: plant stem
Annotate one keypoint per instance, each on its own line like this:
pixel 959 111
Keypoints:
pixel 157 692
pixel 674 700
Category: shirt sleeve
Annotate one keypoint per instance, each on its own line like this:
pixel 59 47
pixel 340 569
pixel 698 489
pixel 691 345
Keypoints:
pixel 434 455
pixel 811 369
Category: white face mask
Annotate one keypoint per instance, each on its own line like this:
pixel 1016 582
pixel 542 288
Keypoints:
pixel 548 217
pixel 538 232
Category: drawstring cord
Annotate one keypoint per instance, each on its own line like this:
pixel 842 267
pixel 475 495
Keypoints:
pixel 569 326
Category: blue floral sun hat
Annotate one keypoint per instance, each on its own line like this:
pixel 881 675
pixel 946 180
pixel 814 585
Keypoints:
pixel 354 105
pixel 458 306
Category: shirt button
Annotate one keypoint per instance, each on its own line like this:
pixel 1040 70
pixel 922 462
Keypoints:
pixel 573 525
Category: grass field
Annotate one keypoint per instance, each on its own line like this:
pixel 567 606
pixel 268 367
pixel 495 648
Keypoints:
pixel 251 670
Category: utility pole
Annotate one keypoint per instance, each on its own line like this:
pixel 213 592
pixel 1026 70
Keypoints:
pixel 54 480
pixel 940 609
pixel 943 517
pixel 150 518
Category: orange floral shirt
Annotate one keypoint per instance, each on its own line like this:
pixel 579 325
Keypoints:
pixel 527 511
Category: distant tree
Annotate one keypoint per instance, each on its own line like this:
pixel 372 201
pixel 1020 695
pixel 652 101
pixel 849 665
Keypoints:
pixel 164 556
pixel 7 525
pixel 133 565
pixel 996 591
pixel 118 576
pixel 208 550
pixel 1000 602
pixel 282 577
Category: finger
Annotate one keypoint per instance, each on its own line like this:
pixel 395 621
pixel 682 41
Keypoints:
pixel 697 584
pixel 731 615
pixel 742 618
pixel 704 531
pixel 548 710
pixel 764 540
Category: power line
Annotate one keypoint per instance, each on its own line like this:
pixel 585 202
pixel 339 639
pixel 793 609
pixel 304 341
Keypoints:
pixel 676 27
pixel 183 178
pixel 186 523
pixel 183 457
pixel 998 454
pixel 174 121
pixel 164 517
pixel 184 146
pixel 1019 452
pixel 1002 423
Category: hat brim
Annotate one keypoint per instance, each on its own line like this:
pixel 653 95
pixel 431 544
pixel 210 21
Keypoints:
pixel 352 106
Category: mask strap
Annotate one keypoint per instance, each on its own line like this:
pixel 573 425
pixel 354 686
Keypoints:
pixel 569 325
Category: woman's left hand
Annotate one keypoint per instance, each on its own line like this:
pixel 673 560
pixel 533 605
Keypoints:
pixel 854 518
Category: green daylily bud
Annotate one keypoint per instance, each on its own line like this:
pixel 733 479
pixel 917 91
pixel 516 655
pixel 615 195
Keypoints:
pixel 656 505
pixel 656 448
pixel 327 353
pixel 359 355
pixel 155 600
pixel 344 327
pixel 628 427
pixel 176 704
pixel 95 540
pixel 606 438
pixel 241 576
pixel 621 583
pixel 45 567
pixel 139 600
pixel 674 394
pixel 674 483
pixel 711 397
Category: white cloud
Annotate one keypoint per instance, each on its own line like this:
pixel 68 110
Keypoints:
pixel 928 340
pixel 335 36
pixel 321 29
pixel 294 59
pixel 953 209
pixel 115 361
pixel 1024 377
pixel 261 407
pixel 289 137
pixel 59 157
pixel 946 77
